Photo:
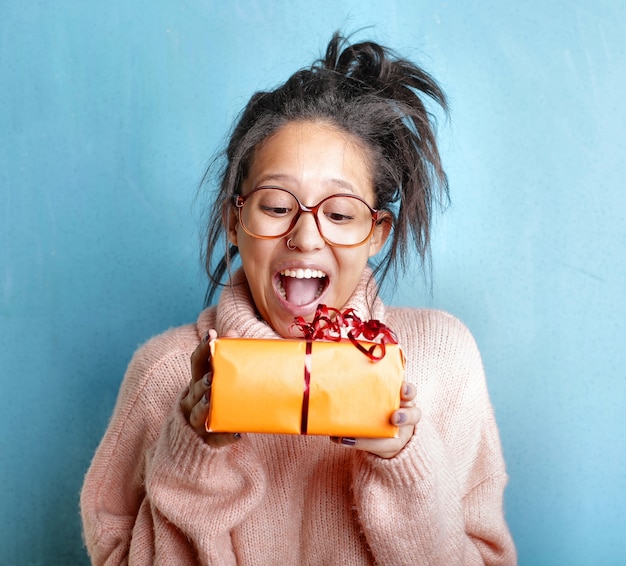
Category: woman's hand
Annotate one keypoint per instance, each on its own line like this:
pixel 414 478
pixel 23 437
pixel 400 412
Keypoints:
pixel 196 404
pixel 405 418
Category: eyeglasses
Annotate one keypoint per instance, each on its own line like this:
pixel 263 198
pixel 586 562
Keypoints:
pixel 343 220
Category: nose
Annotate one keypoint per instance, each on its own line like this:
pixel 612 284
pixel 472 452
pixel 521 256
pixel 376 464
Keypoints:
pixel 305 234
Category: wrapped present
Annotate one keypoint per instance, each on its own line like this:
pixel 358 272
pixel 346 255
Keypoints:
pixel 342 379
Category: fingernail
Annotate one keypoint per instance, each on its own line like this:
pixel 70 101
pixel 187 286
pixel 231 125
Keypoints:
pixel 206 337
pixel 400 418
pixel 334 439
pixel 237 435
pixel 205 398
pixel 208 379
pixel 406 389
pixel 348 441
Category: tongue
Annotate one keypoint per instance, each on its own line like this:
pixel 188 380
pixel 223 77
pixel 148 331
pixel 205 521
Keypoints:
pixel 300 291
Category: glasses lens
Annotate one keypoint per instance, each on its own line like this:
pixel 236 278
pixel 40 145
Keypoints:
pixel 269 212
pixel 345 220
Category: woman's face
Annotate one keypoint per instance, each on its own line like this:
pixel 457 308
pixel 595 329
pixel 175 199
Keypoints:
pixel 313 161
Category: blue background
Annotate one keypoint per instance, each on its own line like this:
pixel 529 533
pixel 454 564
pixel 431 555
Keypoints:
pixel 109 113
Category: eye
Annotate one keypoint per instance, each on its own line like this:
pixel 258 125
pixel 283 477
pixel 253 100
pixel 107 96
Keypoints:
pixel 338 217
pixel 274 202
pixel 341 210
pixel 275 210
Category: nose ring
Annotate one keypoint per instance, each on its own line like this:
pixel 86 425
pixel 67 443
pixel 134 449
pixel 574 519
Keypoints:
pixel 289 245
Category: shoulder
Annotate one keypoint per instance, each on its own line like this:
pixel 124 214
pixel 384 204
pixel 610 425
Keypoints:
pixel 173 343
pixel 160 367
pixel 157 372
pixel 440 351
pixel 170 344
pixel 429 325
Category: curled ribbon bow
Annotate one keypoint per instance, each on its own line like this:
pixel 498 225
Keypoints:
pixel 325 327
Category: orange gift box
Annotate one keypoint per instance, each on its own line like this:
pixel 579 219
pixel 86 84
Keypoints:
pixel 296 386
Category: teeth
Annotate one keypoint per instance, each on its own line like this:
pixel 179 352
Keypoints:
pixel 303 273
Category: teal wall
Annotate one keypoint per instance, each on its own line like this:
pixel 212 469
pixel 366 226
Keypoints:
pixel 109 112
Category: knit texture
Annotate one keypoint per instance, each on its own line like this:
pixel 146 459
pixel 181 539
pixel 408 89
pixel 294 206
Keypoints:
pixel 157 494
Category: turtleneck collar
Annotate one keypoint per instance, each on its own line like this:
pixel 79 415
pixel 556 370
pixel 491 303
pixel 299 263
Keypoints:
pixel 236 310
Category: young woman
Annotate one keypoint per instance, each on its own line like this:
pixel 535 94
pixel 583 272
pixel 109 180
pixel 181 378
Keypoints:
pixel 320 175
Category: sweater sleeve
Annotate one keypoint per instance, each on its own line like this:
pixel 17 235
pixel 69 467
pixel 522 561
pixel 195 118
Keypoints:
pixel 152 475
pixel 440 500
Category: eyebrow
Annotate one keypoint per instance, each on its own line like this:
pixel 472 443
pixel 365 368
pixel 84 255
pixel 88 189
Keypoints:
pixel 341 183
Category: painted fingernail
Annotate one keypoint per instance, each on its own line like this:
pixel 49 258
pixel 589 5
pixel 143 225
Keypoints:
pixel 208 379
pixel 206 337
pixel 206 398
pixel 348 441
pixel 400 418
pixel 406 389
pixel 237 435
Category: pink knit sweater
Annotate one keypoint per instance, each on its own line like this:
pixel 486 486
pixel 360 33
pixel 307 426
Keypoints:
pixel 156 494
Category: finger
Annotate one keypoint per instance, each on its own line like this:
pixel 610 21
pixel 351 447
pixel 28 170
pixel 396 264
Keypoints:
pixel 201 360
pixel 406 416
pixel 344 441
pixel 197 420
pixel 196 402
pixel 199 401
pixel 407 393
pixel 201 357
pixel 201 388
pixel 383 447
pixel 199 413
pixel 200 369
pixel 195 392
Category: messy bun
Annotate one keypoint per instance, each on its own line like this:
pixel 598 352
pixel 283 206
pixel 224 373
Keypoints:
pixel 377 97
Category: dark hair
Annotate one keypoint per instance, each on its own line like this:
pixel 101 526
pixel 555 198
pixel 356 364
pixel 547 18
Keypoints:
pixel 377 97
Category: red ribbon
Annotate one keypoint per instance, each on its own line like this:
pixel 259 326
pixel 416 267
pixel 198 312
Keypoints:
pixel 304 417
pixel 326 327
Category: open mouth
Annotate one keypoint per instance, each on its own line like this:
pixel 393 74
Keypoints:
pixel 301 286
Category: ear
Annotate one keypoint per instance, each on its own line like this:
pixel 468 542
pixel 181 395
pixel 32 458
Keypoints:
pixel 381 232
pixel 231 222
